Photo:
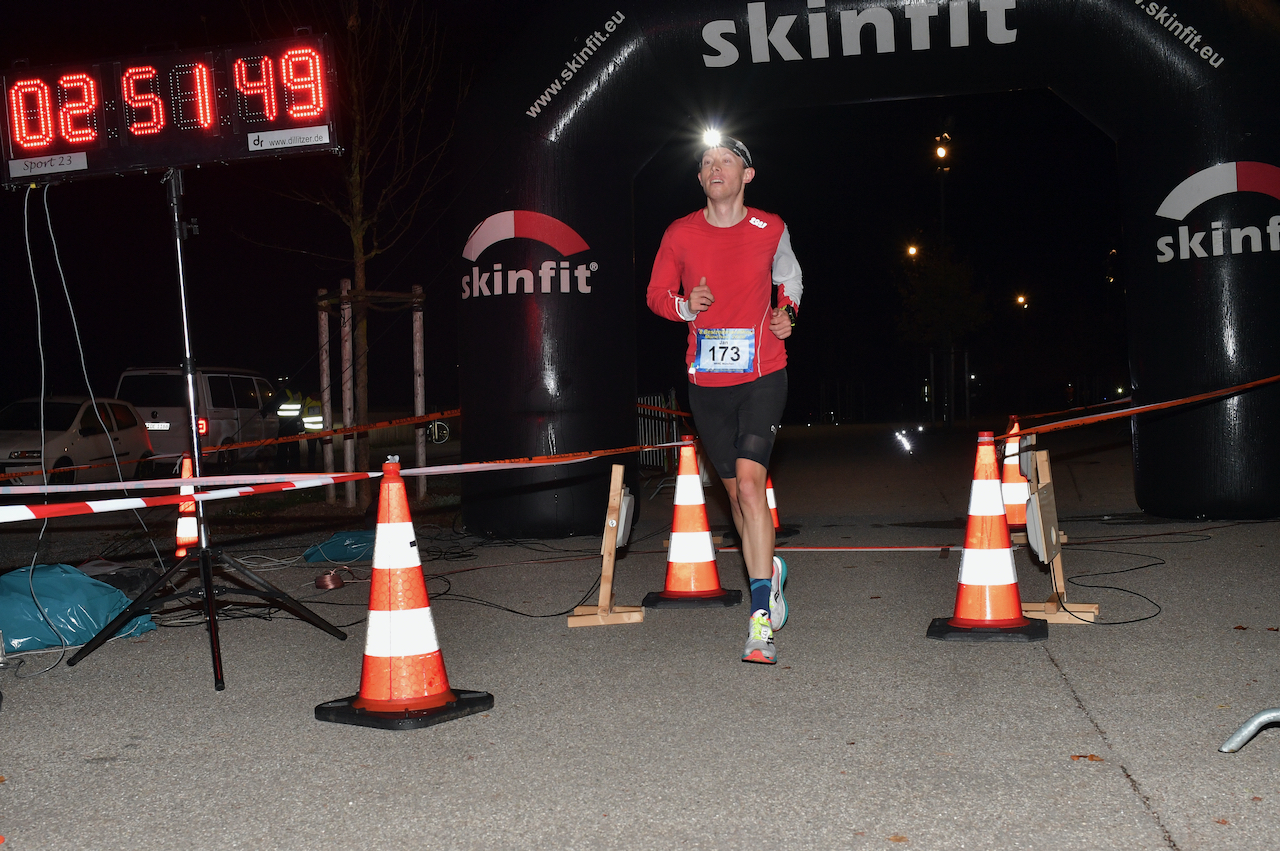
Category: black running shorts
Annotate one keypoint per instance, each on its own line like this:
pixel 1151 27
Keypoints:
pixel 739 421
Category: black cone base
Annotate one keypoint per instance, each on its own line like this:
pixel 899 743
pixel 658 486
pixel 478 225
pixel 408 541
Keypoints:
pixel 656 600
pixel 1037 630
pixel 342 712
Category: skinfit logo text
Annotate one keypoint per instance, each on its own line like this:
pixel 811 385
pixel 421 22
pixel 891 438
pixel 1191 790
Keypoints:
pixel 1213 182
pixel 552 275
pixel 767 38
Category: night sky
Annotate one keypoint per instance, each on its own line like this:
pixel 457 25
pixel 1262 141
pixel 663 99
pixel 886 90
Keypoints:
pixel 1030 207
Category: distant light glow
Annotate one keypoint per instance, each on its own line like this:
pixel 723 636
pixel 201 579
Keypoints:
pixel 911 249
pixel 902 439
pixel 942 152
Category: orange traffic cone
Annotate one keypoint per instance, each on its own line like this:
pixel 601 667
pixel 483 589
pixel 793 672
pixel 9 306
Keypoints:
pixel 773 502
pixel 188 530
pixel 988 607
pixel 403 684
pixel 692 578
pixel 1014 486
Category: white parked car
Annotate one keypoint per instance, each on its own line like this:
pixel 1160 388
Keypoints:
pixel 75 435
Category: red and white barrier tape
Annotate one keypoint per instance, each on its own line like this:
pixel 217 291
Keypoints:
pixel 1144 409
pixel 251 485
pixel 15 513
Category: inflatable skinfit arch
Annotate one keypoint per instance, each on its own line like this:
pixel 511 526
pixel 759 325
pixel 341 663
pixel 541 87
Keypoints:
pixel 591 90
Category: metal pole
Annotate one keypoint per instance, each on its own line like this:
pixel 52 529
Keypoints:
pixel 933 392
pixel 326 399
pixel 419 389
pixel 951 387
pixel 967 417
pixel 173 181
pixel 348 394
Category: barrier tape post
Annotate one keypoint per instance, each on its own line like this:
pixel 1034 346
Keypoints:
pixel 1046 541
pixel 605 613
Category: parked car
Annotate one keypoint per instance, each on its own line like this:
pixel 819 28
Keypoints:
pixel 232 406
pixel 75 434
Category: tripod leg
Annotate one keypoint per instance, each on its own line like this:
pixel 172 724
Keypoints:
pixel 140 606
pixel 281 599
pixel 211 616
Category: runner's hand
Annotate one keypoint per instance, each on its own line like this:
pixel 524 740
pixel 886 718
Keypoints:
pixel 780 324
pixel 701 298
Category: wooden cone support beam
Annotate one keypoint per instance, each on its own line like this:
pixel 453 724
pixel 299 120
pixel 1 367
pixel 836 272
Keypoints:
pixel 403 684
pixel 987 607
pixel 1043 516
pixel 606 613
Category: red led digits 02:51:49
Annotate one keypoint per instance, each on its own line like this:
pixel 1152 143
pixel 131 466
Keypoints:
pixel 170 109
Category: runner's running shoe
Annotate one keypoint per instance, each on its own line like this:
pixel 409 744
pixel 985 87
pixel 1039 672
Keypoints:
pixel 760 640
pixel 777 602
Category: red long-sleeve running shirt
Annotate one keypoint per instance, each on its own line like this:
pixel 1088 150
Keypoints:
pixel 741 265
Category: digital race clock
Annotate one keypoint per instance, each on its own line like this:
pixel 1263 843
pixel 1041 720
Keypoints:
pixel 159 110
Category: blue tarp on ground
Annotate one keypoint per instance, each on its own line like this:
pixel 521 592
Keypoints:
pixel 78 605
pixel 343 548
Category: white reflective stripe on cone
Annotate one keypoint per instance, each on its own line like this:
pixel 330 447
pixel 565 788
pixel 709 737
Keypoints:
pixel 405 632
pixel 393 547
pixel 985 499
pixel 1016 492
pixel 691 548
pixel 689 491
pixel 768 497
pixel 987 567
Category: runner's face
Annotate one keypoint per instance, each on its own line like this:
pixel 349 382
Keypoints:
pixel 723 174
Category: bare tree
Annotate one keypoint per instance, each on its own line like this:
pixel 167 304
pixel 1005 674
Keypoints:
pixel 939 304
pixel 389 58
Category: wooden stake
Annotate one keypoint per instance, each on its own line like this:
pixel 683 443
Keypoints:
pixel 605 613
pixel 1056 609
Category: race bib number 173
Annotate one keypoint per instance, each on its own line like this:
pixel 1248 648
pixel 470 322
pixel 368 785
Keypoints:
pixel 726 350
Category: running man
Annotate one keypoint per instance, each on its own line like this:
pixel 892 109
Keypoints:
pixel 716 269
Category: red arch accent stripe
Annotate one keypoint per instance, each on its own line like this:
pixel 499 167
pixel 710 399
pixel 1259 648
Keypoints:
pixel 525 224
pixel 1218 180
pixel 1258 177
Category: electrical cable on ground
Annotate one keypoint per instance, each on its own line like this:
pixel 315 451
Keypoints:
pixel 26 233
pixel 1184 536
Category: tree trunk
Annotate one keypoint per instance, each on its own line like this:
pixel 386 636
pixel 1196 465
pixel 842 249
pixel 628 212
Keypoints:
pixel 360 356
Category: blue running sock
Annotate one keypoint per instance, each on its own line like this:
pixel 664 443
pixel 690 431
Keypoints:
pixel 760 592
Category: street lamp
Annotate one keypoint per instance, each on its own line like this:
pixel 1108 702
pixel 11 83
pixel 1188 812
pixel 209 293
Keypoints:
pixel 942 151
pixel 912 251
